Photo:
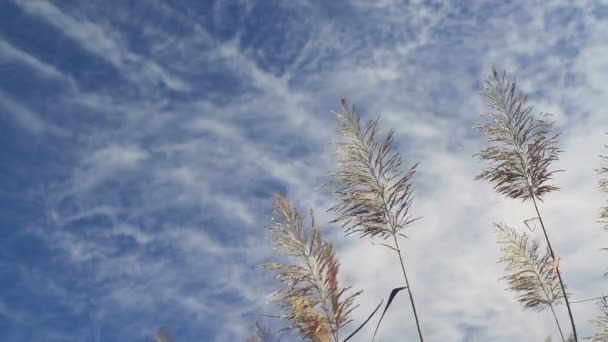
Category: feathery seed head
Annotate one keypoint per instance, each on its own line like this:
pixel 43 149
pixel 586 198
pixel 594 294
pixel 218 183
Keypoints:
pixel 374 195
pixel 316 306
pixel 529 274
pixel 521 146
pixel 601 321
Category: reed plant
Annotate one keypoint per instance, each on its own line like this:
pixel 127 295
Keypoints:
pixel 373 199
pixel 601 321
pixel 530 272
pixel 522 148
pixel 374 194
pixel 315 306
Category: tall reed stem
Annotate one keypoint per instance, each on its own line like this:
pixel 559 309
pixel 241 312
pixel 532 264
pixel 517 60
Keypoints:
pixel 374 194
pixel 559 275
pixel 559 327
pixel 398 250
pixel 409 289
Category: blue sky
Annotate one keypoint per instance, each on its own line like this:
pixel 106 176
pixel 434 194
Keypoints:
pixel 141 143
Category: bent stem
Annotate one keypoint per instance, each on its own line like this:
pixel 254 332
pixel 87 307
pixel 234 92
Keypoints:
pixel 559 275
pixel 409 289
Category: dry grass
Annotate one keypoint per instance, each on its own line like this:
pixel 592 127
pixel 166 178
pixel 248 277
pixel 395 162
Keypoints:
pixel 316 307
pixel 521 146
pixel 374 195
pixel 532 275
pixel 601 322
pixel 520 152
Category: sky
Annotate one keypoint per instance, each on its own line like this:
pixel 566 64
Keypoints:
pixel 141 143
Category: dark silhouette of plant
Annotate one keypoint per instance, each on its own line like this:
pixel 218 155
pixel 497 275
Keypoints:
pixel 374 195
pixel 521 149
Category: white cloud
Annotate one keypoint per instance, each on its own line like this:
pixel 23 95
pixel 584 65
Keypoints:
pixel 14 54
pixel 117 156
pixel 105 43
pixel 28 119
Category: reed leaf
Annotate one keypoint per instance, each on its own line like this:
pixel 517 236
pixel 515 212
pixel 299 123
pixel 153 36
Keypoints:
pixel 529 274
pixel 521 145
pixel 316 307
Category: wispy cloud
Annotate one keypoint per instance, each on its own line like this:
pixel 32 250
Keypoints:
pixel 11 53
pixel 27 119
pixel 104 42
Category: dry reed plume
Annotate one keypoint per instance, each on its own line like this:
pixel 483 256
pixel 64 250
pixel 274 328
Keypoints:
pixel 374 195
pixel 530 274
pixel 601 322
pixel 316 307
pixel 374 199
pixel 521 149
